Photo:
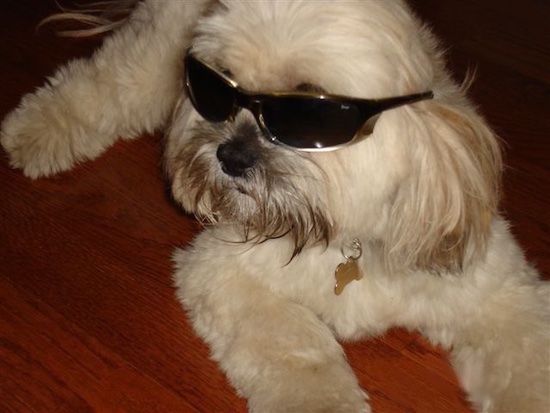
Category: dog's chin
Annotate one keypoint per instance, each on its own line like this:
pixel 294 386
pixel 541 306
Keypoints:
pixel 281 195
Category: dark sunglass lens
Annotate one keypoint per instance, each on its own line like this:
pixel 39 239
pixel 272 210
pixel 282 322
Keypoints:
pixel 210 94
pixel 310 123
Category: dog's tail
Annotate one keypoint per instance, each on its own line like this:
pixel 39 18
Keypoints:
pixel 91 19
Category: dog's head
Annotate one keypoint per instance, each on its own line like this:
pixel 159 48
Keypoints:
pixel 422 185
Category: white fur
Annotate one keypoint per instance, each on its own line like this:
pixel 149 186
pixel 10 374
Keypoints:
pixel 420 194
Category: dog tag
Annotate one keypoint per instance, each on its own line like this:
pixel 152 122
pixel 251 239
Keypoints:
pixel 345 273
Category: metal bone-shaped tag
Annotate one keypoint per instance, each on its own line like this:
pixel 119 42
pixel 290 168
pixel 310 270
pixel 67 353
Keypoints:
pixel 345 273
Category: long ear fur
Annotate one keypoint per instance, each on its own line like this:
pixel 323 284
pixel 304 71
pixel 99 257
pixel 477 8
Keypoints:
pixel 442 215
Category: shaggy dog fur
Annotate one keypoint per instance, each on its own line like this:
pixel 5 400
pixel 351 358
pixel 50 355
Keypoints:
pixel 420 195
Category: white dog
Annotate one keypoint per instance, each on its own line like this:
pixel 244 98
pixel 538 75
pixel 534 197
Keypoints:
pixel 356 191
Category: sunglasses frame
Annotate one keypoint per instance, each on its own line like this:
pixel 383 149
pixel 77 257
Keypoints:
pixel 369 109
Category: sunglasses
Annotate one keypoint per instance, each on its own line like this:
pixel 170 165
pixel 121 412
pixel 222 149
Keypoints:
pixel 303 121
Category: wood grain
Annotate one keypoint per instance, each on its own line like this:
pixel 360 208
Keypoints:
pixel 88 317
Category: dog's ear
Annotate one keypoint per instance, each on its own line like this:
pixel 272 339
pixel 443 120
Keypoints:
pixel 441 216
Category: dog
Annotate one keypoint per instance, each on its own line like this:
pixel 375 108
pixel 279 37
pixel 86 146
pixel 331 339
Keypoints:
pixel 347 183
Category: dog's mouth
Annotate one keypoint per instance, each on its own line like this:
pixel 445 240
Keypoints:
pixel 241 190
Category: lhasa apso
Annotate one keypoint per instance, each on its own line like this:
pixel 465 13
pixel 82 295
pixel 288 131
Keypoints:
pixel 350 185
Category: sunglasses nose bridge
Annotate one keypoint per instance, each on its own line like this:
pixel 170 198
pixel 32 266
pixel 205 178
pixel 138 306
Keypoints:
pixel 239 101
pixel 253 104
pixel 245 100
pixel 255 107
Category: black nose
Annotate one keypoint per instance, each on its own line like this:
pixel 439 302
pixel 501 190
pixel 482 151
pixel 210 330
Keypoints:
pixel 236 157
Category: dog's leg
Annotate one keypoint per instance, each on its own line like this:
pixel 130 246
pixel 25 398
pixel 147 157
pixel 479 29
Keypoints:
pixel 127 87
pixel 277 354
pixel 503 357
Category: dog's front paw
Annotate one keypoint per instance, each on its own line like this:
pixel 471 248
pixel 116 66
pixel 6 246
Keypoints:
pixel 38 137
pixel 319 389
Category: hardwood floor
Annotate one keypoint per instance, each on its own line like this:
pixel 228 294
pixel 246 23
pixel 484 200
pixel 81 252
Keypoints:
pixel 88 318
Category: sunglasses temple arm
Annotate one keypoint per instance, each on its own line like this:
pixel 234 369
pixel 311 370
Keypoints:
pixel 390 103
